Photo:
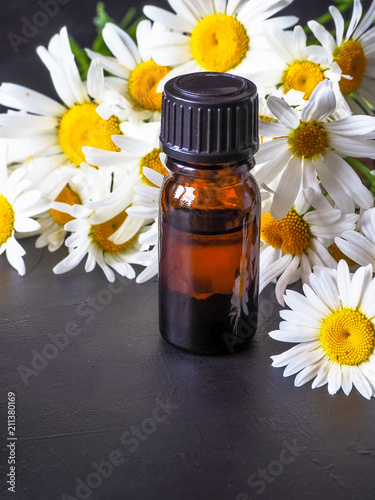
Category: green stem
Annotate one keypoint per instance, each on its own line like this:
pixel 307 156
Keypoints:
pixel 362 168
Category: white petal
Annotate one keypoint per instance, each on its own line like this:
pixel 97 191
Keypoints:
pixel 334 378
pixel 351 125
pixel 121 45
pixel 95 81
pixel 308 373
pixel 329 171
pixel 169 19
pixel 19 97
pixel 322 35
pixel 271 150
pixel 272 129
pixel 299 302
pixel 110 64
pixel 286 278
pixel 346 382
pixel 273 271
pixel 322 103
pixel 360 382
pixel 356 16
pixel 326 289
pixel 315 301
pixel 286 357
pixel 343 283
pixel 349 181
pixel 288 116
pixel 14 254
pixel 302 360
pixel 322 376
pixel 339 23
pixel 26 225
pixel 287 190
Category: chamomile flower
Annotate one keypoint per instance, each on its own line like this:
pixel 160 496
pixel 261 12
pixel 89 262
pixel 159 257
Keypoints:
pixel 308 148
pixel 292 246
pixel 359 245
pixel 55 130
pixel 225 36
pixel 134 65
pixel 52 231
pixel 96 239
pixel 354 52
pixel 299 71
pixel 334 324
pixel 18 205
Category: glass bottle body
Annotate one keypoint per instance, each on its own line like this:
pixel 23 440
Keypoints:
pixel 209 257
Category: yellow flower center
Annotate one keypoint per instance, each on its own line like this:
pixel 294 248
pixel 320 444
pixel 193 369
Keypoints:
pixel 265 118
pixel 347 336
pixel 291 234
pixel 338 255
pixel 152 160
pixel 308 139
pixel 67 195
pixel 101 232
pixel 7 218
pixel 219 42
pixel 143 83
pixel 352 61
pixel 303 76
pixel 82 126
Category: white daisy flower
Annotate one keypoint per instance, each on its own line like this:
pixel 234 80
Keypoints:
pixel 334 324
pixel 134 65
pixel 308 148
pixel 354 52
pixel 299 70
pixel 54 130
pixel 139 148
pixel 295 244
pixel 359 245
pixel 18 205
pixel 96 239
pixel 220 35
pixel 52 231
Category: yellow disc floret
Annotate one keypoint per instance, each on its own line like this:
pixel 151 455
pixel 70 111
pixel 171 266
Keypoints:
pixel 219 42
pixel 303 76
pixel 347 336
pixel 82 126
pixel 143 82
pixel 152 160
pixel 291 234
pixel 352 61
pixel 308 139
pixel 7 218
pixel 101 232
pixel 67 195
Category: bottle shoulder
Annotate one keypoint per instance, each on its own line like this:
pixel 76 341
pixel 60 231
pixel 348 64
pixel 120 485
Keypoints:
pixel 195 192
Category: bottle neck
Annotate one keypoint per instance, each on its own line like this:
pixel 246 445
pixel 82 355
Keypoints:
pixel 221 170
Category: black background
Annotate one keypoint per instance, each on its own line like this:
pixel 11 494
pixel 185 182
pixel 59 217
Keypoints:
pixel 236 416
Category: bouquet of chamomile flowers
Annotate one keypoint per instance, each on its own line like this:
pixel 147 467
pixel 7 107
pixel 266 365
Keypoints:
pixel 84 170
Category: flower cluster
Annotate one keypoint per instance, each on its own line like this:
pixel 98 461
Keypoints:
pixel 85 170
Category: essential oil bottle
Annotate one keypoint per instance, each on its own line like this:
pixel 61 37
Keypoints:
pixel 209 214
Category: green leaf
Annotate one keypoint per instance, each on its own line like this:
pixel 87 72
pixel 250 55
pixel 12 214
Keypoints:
pixel 83 60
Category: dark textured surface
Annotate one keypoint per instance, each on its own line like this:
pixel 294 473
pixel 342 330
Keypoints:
pixel 232 419
pixel 233 416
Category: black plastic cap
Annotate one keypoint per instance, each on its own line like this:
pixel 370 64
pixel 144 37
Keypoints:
pixel 209 118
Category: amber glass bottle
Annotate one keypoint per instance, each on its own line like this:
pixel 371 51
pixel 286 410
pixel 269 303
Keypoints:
pixel 209 214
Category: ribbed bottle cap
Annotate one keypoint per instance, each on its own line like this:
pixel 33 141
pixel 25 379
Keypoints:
pixel 209 118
